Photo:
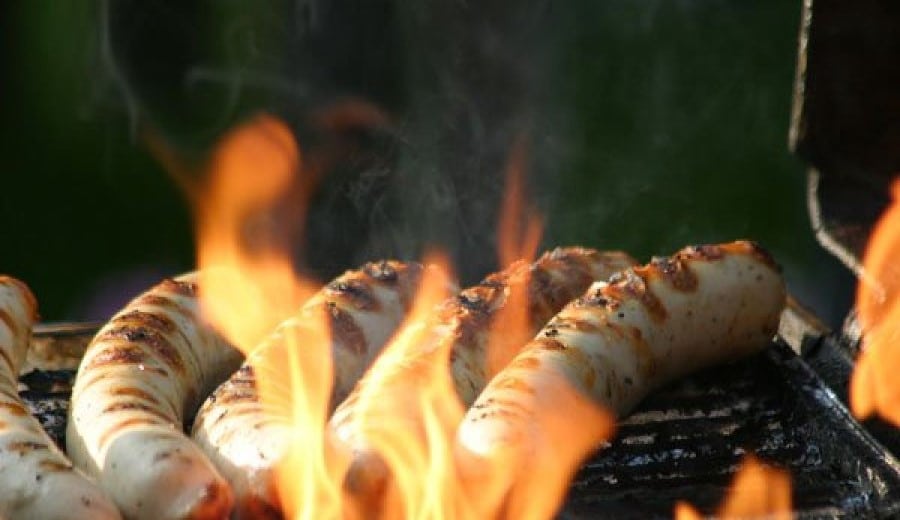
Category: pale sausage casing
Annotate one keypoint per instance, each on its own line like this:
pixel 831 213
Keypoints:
pixel 363 308
pixel 463 325
pixel 36 479
pixel 141 376
pixel 621 340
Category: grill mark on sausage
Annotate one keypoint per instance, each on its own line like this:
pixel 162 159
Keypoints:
pixel 515 384
pixel 158 300
pixel 23 447
pixel 135 392
pixel 172 306
pixel 236 396
pixel 674 271
pixel 345 329
pixel 354 291
pixel 384 271
pixel 158 321
pixel 574 268
pixel 574 323
pixel 478 300
pixel 53 466
pixel 630 284
pixel 540 293
pixel 647 364
pixel 401 277
pixel 141 318
pixel 182 287
pixel 131 406
pixel 118 426
pixel 13 408
pixel 244 378
pixel 526 362
pixel 239 411
pixel 114 355
pixel 503 407
pixel 546 343
pixel 155 340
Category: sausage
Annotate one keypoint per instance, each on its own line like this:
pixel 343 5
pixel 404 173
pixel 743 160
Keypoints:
pixel 36 479
pixel 464 322
pixel 145 371
pixel 363 307
pixel 618 342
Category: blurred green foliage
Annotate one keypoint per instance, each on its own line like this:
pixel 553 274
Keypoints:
pixel 675 114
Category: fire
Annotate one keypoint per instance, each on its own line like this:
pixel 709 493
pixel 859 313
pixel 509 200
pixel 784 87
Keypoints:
pixel 240 237
pixel 758 491
pixel 520 226
pixel 873 386
pixel 250 285
pixel 531 484
pixel 409 424
pixel 519 231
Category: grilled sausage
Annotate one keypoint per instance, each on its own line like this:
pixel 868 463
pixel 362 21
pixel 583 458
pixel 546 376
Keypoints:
pixel 464 323
pixel 364 307
pixel 143 373
pixel 36 479
pixel 649 325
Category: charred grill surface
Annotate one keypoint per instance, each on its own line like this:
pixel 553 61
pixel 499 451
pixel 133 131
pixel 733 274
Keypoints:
pixel 685 442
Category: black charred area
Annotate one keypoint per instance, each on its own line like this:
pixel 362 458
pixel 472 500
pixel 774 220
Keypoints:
pixel 47 393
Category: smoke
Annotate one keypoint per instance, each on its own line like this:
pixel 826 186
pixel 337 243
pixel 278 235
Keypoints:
pixel 457 82
pixel 650 125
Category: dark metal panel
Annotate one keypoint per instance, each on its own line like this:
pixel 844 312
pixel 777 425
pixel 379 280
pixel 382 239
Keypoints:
pixel 846 116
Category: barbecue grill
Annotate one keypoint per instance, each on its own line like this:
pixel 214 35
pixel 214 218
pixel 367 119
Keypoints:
pixel 788 405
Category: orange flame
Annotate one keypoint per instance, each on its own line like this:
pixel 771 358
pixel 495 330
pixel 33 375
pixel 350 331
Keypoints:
pixel 511 482
pixel 758 491
pixel 409 424
pixel 240 237
pixel 244 251
pixel 249 285
pixel 873 386
pixel 519 231
pixel 520 226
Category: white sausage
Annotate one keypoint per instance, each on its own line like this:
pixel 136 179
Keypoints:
pixel 141 376
pixel 465 322
pixel 649 325
pixel 363 307
pixel 36 480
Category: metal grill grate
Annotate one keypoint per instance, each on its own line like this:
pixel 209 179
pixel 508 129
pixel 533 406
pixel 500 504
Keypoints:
pixel 686 441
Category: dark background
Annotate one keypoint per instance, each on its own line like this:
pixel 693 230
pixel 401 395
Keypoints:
pixel 648 125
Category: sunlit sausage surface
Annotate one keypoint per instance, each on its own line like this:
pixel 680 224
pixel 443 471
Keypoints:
pixel 36 478
pixel 621 340
pixel 145 372
pixel 363 308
